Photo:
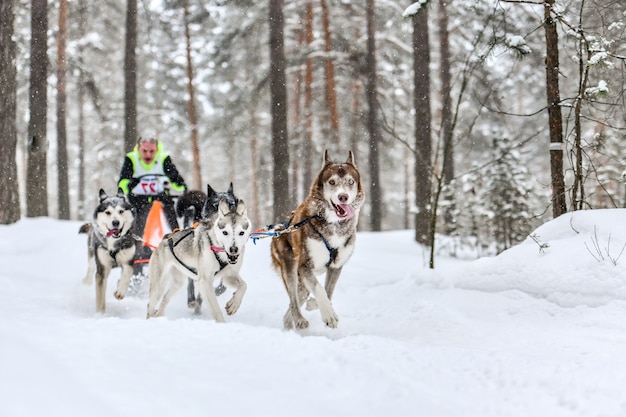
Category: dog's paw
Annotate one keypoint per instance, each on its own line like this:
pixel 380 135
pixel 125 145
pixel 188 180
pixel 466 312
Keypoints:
pixel 311 304
pixel 331 321
pixel 232 306
pixel 119 295
pixel 195 306
pixel 301 323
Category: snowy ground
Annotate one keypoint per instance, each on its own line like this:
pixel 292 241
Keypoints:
pixel 527 333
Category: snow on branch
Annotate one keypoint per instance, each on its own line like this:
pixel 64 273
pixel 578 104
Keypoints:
pixel 414 8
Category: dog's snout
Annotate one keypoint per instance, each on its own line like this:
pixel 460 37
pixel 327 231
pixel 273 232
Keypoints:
pixel 343 198
pixel 115 224
pixel 233 250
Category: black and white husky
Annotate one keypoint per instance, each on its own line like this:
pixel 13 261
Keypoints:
pixel 110 244
pixel 193 206
pixel 211 251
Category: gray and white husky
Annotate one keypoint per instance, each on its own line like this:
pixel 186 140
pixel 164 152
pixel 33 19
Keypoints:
pixel 322 242
pixel 211 251
pixel 110 244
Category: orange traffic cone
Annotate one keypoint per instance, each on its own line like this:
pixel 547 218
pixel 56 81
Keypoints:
pixel 156 226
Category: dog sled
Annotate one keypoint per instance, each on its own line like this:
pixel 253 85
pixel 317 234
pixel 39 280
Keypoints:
pixel 154 188
pixel 155 229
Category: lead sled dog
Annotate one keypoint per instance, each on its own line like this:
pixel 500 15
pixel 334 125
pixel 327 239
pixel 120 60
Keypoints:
pixel 110 244
pixel 211 251
pixel 322 241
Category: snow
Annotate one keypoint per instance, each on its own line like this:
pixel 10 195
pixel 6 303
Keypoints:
pixel 531 332
pixel 414 8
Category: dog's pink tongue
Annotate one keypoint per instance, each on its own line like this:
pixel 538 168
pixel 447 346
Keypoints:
pixel 347 211
pixel 112 232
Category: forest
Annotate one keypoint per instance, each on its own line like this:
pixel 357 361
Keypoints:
pixel 476 119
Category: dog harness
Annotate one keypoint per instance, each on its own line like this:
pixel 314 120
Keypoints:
pixel 287 227
pixel 275 230
pixel 124 242
pixel 331 251
pixel 215 249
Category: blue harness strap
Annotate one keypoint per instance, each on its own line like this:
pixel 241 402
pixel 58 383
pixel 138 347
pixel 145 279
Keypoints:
pixel 286 227
pixel 274 230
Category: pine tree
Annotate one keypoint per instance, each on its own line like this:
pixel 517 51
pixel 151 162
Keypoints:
pixel 508 194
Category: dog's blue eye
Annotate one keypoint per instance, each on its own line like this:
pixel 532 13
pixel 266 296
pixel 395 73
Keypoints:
pixel 351 182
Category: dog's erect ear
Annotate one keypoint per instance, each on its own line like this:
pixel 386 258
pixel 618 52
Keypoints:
pixel 350 159
pixel 223 207
pixel 326 158
pixel 210 191
pixel 120 193
pixel 103 195
pixel 210 194
pixel 241 208
pixel 230 189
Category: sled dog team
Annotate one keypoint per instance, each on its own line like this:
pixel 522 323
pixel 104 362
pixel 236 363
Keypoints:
pixel 318 238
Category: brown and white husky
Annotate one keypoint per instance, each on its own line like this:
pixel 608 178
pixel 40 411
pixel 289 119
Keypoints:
pixel 322 241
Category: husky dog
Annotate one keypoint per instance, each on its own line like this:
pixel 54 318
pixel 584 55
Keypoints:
pixel 189 207
pixel 323 241
pixel 110 244
pixel 192 207
pixel 212 250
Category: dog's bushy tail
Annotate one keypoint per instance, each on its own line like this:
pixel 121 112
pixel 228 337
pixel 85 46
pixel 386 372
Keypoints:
pixel 85 228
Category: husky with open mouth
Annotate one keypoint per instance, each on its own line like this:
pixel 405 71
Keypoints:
pixel 110 244
pixel 322 242
pixel 207 253
pixel 193 206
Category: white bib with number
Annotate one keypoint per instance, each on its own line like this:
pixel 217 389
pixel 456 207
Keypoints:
pixel 150 185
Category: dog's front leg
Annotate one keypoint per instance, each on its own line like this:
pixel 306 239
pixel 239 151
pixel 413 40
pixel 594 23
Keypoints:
pixel 102 273
pixel 236 281
pixel 208 294
pixel 191 295
pixel 91 269
pixel 122 285
pixel 293 317
pixel 332 276
pixel 326 308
